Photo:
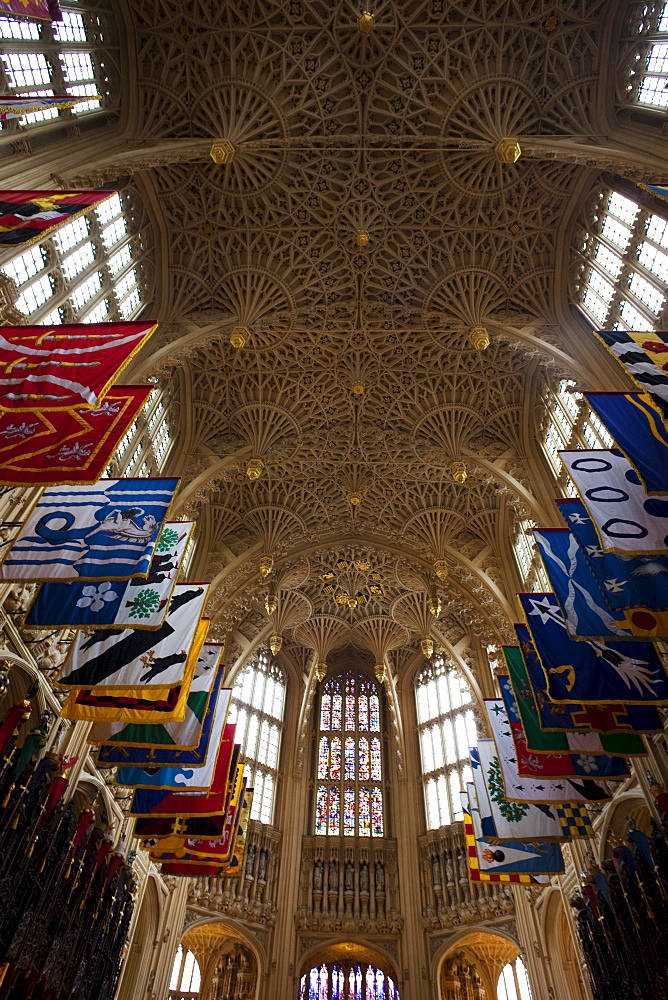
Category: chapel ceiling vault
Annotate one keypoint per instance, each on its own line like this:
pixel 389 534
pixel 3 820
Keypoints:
pixel 361 227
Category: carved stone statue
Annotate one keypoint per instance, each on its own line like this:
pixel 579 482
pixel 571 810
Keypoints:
pixel 317 876
pixel 380 876
pixel 333 876
pixel 349 877
pixel 364 877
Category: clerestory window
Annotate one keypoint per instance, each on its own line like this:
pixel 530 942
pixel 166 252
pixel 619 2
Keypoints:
pixel 256 708
pixel 446 731
pixel 646 56
pixel 569 424
pixel 349 795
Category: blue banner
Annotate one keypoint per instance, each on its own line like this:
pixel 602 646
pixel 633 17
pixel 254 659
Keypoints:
pixel 582 604
pixel 104 531
pixel 639 431
pixel 591 671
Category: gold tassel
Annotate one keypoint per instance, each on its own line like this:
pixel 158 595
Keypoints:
pixel 5 801
pixel 3 971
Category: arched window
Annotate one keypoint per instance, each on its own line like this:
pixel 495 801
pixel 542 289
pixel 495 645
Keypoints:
pixel 186 979
pixel 145 447
pixel 46 58
pixel 569 424
pixel 347 982
pixel 513 982
pixel 85 272
pixel 349 795
pixel 446 728
pixel 647 56
pixel 257 710
pixel 527 557
pixel 623 264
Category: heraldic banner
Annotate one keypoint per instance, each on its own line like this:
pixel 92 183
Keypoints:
pixel 28 216
pixel 64 367
pixel 68 447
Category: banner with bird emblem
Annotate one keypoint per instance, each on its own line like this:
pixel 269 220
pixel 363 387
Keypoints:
pixel 635 588
pixel 139 603
pixel 28 216
pixel 591 671
pixel 65 367
pixel 172 743
pixel 511 861
pixel 138 661
pixel 105 531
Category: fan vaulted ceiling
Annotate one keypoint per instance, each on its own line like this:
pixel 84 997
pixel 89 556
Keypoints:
pixel 358 378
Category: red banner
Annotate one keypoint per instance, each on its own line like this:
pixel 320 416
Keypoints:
pixel 29 216
pixel 72 446
pixel 40 10
pixel 64 367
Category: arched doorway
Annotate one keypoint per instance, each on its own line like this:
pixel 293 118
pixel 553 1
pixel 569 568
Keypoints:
pixel 214 962
pixel 473 966
pixel 561 947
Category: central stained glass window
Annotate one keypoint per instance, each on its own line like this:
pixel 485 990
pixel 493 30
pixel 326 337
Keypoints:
pixel 349 796
pixel 357 982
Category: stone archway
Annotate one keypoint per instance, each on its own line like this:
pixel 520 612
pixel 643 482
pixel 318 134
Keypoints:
pixel 229 965
pixel 561 949
pixel 470 967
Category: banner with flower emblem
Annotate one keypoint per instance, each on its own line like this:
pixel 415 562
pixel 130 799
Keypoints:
pixel 66 447
pixel 138 603
pixel 115 660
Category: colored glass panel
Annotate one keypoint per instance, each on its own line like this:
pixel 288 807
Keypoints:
pixel 323 757
pixel 374 714
pixel 337 983
pixel 325 710
pixel 380 985
pixel 363 713
pixel 335 759
pixel 376 812
pixel 349 812
pixel 324 983
pixel 336 712
pixel 350 712
pixel 370 984
pixel 375 759
pixel 364 759
pixel 364 813
pixel 321 812
pixel 350 759
pixel 302 988
pixel 334 811
pixel 313 984
pixel 358 983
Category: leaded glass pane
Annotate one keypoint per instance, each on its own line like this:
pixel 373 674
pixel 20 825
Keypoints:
pixel 364 760
pixel 350 759
pixel 349 813
pixel 321 811
pixel 335 759
pixel 323 757
pixel 364 809
pixel 333 821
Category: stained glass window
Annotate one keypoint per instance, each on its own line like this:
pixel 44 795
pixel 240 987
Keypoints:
pixel 446 730
pixel 513 982
pixel 358 982
pixel 257 710
pixel 351 701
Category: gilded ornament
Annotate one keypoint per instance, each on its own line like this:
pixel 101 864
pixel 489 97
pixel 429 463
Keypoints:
pixel 270 603
pixel 239 336
pixel 358 388
pixel 458 472
pixel 441 569
pixel 427 647
pixel 352 603
pixel 254 468
pixel 508 151
pixel 479 338
pixel 362 238
pixel 321 670
pixel 434 606
pixel 355 498
pixel 265 564
pixel 380 670
pixel 366 23
pixel 550 23
pixel 275 643
pixel 222 151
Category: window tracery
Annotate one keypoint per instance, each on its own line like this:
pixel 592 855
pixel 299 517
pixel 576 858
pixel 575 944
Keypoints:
pixel 349 797
pixel 61 57
pixel 513 982
pixel 86 272
pixel 186 978
pixel 256 709
pixel 624 265
pixel 648 77
pixel 569 424
pixel 356 982
pixel 446 731
pixel 144 448
pixel 527 556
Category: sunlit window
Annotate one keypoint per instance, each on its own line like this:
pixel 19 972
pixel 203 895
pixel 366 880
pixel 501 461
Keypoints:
pixel 349 982
pixel 349 794
pixel 186 978
pixel 257 710
pixel 648 51
pixel 446 731
pixel 513 982
pixel 71 278
pixel 624 265
pixel 568 424
pixel 44 59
